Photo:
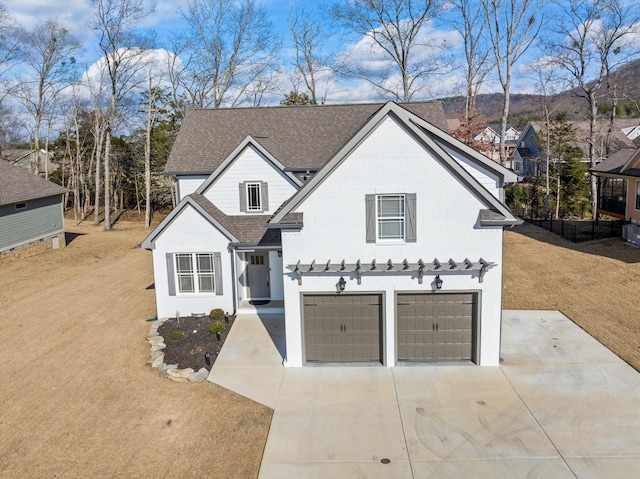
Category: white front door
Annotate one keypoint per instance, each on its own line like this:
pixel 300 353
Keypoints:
pixel 258 275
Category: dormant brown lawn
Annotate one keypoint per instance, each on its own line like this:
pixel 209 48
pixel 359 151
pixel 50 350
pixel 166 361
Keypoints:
pixel 78 399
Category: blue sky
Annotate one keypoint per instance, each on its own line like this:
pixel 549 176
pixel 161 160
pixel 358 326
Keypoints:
pixel 76 14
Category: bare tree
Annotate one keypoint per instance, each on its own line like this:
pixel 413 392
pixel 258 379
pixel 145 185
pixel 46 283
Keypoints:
pixel 592 39
pixel 395 33
pixel 307 36
pixel 155 98
pixel 10 34
pixel 546 81
pixel 9 53
pixel 231 48
pixel 115 22
pixel 469 23
pixel 48 58
pixel 512 27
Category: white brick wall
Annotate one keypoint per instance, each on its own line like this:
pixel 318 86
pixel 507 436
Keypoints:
pixel 190 232
pixel 389 161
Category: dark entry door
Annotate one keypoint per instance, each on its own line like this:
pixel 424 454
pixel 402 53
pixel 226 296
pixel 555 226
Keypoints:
pixel 258 275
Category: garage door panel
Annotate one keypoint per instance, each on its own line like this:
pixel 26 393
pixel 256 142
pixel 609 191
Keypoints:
pixel 348 324
pixel 435 327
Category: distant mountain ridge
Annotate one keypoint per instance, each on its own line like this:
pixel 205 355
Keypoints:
pixel 489 106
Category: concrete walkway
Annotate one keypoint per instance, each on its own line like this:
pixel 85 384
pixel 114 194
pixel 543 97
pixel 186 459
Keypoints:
pixel 560 406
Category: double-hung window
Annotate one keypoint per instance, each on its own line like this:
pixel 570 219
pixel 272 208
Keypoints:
pixel 391 218
pixel 195 272
pixel 390 215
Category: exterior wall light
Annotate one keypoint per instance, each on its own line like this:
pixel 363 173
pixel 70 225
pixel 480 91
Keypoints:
pixel 341 284
pixel 438 282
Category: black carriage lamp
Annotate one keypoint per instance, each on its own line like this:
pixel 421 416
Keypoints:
pixel 341 284
pixel 438 282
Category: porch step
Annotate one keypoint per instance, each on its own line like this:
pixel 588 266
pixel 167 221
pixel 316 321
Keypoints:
pixel 272 307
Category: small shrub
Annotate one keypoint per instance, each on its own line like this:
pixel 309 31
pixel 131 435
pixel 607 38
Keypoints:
pixel 176 335
pixel 217 314
pixel 217 327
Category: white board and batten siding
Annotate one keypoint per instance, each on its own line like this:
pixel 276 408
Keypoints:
pixel 390 161
pixel 249 166
pixel 190 232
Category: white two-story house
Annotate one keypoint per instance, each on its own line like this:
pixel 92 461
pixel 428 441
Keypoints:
pixel 375 233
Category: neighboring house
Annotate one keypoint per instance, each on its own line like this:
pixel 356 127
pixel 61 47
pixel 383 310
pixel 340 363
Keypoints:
pixel 522 147
pixel 525 154
pixel 619 185
pixel 376 233
pixel 31 212
pixel 632 132
pixel 30 160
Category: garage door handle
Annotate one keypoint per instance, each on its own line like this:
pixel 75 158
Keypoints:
pixel 436 326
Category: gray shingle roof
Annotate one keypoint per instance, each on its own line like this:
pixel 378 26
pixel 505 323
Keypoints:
pixel 615 164
pixel 299 137
pixel 17 185
pixel 247 229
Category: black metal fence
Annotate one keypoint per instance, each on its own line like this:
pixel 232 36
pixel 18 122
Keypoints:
pixel 581 230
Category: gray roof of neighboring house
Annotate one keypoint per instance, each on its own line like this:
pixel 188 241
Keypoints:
pixel 620 163
pixel 299 137
pixel 17 185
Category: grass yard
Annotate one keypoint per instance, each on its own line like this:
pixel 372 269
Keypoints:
pixel 596 284
pixel 79 401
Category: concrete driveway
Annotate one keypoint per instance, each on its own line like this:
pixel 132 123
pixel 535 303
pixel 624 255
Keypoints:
pixel 560 406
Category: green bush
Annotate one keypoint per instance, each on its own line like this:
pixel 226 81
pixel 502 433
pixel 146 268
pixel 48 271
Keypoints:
pixel 217 314
pixel 217 327
pixel 176 335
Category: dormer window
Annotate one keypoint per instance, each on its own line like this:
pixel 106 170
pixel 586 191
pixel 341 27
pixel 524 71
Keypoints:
pixel 254 197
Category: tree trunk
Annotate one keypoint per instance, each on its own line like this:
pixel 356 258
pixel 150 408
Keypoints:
pixel 558 195
pixel 503 124
pixel 97 154
pixel 592 152
pixel 107 179
pixel 147 158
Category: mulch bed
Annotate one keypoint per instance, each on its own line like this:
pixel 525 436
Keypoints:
pixel 189 350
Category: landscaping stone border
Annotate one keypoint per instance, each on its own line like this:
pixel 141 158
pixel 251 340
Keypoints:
pixel 171 371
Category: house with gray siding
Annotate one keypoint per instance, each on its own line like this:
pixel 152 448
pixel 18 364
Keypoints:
pixel 31 212
pixel 375 233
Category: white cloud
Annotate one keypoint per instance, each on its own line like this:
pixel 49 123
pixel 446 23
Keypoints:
pixel 370 59
pixel 74 13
